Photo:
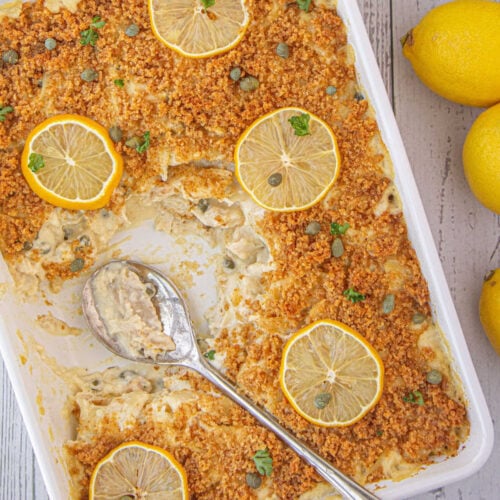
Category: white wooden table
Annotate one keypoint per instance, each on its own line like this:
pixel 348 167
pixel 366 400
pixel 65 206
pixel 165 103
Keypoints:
pixel 466 234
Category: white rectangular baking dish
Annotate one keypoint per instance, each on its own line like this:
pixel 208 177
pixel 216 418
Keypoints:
pixel 41 394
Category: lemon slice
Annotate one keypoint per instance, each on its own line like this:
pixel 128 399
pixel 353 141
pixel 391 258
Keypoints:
pixel 70 161
pixel 192 30
pixel 138 470
pixel 283 171
pixel 330 374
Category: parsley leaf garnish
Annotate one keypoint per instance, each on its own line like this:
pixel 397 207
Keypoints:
pixel 263 462
pixel 304 4
pixel 146 140
pixel 119 83
pixel 210 355
pixel 36 162
pixel 354 296
pixel 4 111
pixel 338 229
pixel 90 36
pixel 208 3
pixel 414 397
pixel 300 124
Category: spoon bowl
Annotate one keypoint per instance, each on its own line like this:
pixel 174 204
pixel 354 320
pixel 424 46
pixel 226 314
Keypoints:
pixel 175 321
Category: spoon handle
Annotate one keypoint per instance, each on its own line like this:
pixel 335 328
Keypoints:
pixel 344 484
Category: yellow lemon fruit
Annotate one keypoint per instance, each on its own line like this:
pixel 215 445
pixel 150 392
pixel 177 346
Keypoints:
pixel 489 308
pixel 481 158
pixel 70 161
pixel 330 374
pixel 455 51
pixel 138 470
pixel 197 28
pixel 287 160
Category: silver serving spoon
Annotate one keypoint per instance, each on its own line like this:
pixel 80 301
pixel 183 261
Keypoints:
pixel 175 320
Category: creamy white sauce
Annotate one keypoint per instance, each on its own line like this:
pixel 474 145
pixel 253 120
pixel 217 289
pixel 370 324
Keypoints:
pixel 125 307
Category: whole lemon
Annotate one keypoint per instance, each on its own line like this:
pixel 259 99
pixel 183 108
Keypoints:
pixel 455 51
pixel 489 308
pixel 481 158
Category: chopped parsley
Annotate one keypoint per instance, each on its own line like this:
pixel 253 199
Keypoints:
pixel 4 110
pixel 354 296
pixel 414 397
pixel 36 162
pixel 146 140
pixel 300 124
pixel 208 3
pixel 304 4
pixel 210 355
pixel 119 83
pixel 90 36
pixel 338 229
pixel 263 462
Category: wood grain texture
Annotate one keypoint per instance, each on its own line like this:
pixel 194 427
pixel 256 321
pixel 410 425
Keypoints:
pixel 466 234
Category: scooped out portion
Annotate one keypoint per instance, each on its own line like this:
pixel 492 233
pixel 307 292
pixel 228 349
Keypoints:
pixel 125 307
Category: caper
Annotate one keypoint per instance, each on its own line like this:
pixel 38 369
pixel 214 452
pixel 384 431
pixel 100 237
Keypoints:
pixel 68 232
pixel 151 289
pixel 84 240
pixel 388 303
pixel 27 246
pixel 77 265
pixel 115 133
pixel 134 142
pixel 127 374
pixel 418 318
pixel 50 44
pixel 132 30
pixel 275 179
pixel 337 248
pixel 359 96
pixel 203 205
pixel 228 263
pixel 283 50
pixel 322 400
pixel 44 248
pixel 313 228
pixel 96 383
pixel 249 83
pixel 235 74
pixel 10 56
pixel 434 377
pixel 89 75
pixel 104 213
pixel 253 480
pixel 331 90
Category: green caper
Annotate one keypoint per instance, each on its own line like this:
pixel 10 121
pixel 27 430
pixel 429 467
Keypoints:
pixel 132 30
pixel 337 248
pixel 313 228
pixel 151 289
pixel 249 83
pixel 89 75
pixel 44 248
pixel 275 179
pixel 418 318
pixel 359 96
pixel 235 74
pixel 388 303
pixel 67 232
pixel 134 142
pixel 84 240
pixel 321 400
pixel 228 263
pixel 283 50
pixel 253 480
pixel 331 90
pixel 96 383
pixel 77 265
pixel 115 133
pixel 434 377
pixel 203 205
pixel 127 374
pixel 50 44
pixel 27 246
pixel 10 56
